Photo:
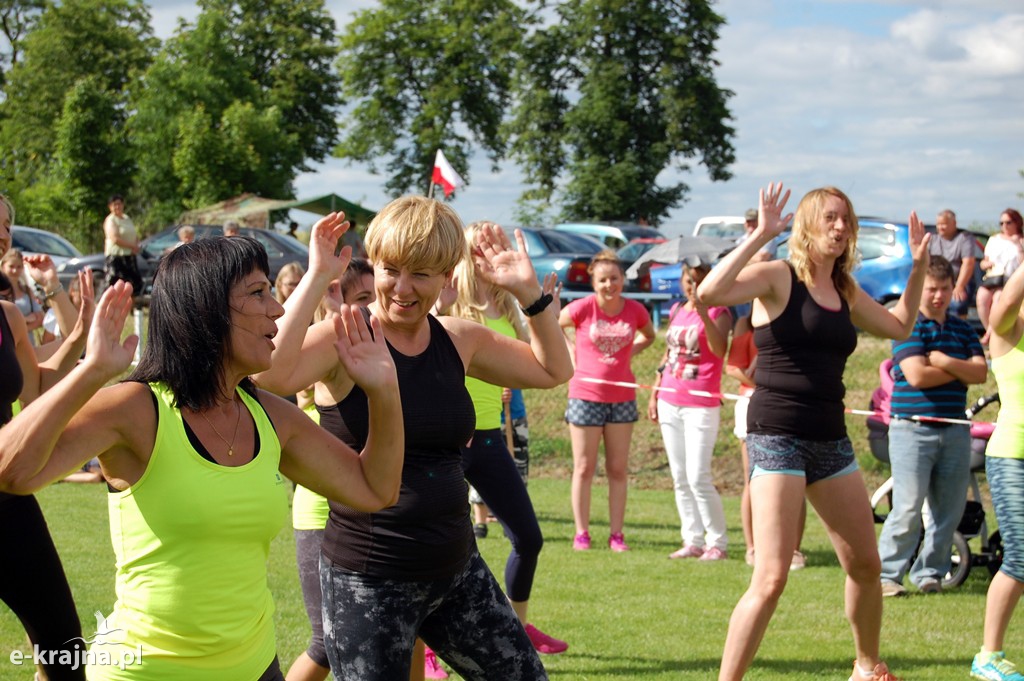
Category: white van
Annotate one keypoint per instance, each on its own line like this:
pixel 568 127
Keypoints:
pixel 725 226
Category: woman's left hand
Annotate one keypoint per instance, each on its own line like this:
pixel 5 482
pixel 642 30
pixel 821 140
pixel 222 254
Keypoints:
pixel 503 266
pixel 919 240
pixel 323 243
pixel 87 307
pixel 554 287
pixel 41 269
pixel 364 356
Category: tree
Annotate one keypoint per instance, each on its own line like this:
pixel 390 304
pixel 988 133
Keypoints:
pixel 241 101
pixel 16 19
pixel 423 75
pixel 613 94
pixel 102 45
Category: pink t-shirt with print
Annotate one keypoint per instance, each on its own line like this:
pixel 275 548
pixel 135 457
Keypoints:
pixel 604 348
pixel 691 365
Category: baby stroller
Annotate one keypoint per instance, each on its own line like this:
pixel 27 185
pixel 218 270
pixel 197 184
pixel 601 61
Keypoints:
pixel 972 524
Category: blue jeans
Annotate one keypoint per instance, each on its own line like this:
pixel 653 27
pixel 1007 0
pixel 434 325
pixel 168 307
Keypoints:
pixel 928 463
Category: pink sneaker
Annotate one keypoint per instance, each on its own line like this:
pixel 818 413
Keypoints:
pixel 581 542
pixel 714 553
pixel 688 551
pixel 432 669
pixel 549 645
pixel 617 543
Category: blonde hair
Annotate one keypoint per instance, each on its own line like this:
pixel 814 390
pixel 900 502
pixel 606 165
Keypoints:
pixel 9 206
pixel 473 293
pixel 801 245
pixel 295 268
pixel 606 256
pixel 418 233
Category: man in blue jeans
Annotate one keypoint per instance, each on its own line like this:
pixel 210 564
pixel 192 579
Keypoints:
pixel 930 460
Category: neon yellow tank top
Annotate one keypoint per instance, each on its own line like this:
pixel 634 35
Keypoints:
pixel 1008 439
pixel 191 540
pixel 486 397
pixel 309 509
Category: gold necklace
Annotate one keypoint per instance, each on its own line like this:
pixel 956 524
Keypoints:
pixel 238 419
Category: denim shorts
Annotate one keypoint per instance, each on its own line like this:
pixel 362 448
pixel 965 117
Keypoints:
pixel 1006 482
pixel 587 413
pixel 812 459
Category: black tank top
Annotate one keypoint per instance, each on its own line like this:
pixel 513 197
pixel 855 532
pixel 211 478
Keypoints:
pixel 800 363
pixel 11 379
pixel 427 535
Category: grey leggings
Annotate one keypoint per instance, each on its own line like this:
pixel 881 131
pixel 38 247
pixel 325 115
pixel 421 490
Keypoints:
pixel 307 555
pixel 371 624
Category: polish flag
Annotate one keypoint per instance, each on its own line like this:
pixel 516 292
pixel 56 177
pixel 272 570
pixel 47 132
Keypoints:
pixel 445 175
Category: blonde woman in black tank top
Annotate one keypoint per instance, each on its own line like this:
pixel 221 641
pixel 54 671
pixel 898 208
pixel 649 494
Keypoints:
pixel 799 462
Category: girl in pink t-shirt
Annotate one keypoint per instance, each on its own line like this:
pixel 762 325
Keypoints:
pixel 697 339
pixel 605 327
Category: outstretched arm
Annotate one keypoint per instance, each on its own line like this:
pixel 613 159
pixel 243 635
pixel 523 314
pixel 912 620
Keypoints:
pixel 545 362
pixel 898 322
pixel 369 480
pixel 293 367
pixel 731 282
pixel 30 457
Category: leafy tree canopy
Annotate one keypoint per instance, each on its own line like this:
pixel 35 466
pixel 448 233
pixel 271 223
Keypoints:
pixel 613 94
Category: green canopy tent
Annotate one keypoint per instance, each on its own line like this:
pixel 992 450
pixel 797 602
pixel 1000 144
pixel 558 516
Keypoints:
pixel 256 211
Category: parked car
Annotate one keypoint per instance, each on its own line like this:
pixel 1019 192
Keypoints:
pixel 725 226
pixel 30 240
pixel 612 236
pixel 629 253
pixel 281 250
pixel 566 254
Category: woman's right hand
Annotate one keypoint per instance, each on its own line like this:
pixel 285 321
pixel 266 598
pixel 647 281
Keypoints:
pixel 104 350
pixel 323 242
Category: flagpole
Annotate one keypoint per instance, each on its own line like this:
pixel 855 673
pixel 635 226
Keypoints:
pixel 430 192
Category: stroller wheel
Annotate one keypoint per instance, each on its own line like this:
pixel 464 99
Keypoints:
pixel 995 552
pixel 961 563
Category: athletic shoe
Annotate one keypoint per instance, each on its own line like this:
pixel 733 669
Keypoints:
pixel 549 645
pixel 799 561
pixel 432 669
pixel 617 543
pixel 688 551
pixel 581 542
pixel 994 667
pixel 879 673
pixel 714 553
pixel 892 589
pixel 480 530
pixel 930 586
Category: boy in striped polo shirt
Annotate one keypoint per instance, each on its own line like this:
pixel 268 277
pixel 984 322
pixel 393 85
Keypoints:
pixel 930 460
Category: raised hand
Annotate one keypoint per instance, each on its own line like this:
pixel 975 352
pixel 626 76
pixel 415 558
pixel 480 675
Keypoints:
pixel 105 351
pixel 554 287
pixel 41 269
pixel 364 356
pixel 501 265
pixel 86 307
pixel 919 240
pixel 771 202
pixel 323 243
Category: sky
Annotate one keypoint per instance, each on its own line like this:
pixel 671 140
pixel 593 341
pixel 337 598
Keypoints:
pixel 903 105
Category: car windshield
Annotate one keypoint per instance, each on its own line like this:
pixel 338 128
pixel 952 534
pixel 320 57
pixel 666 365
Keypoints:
pixel 41 242
pixel 567 242
pixel 726 230
pixel 634 250
pixel 874 242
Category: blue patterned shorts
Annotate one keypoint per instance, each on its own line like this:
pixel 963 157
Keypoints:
pixel 814 460
pixel 587 413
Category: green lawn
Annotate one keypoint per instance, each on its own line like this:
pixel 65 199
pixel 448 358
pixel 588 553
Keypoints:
pixel 635 616
pixel 630 616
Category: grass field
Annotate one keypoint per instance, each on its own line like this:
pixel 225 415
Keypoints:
pixel 630 616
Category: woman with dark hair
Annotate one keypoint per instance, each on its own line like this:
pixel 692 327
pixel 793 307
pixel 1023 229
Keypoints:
pixel 1004 252
pixel 805 314
pixel 195 455
pixel 414 569
pixel 34 585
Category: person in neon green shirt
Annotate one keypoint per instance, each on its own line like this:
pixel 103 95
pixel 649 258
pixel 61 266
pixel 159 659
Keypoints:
pixel 195 455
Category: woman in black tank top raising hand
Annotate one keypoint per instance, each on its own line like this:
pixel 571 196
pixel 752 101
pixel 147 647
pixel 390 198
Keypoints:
pixel 804 315
pixel 413 569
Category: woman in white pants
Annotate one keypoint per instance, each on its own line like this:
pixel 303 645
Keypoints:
pixel 697 340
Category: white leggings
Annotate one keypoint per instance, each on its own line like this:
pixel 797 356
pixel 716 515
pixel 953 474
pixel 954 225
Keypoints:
pixel 689 434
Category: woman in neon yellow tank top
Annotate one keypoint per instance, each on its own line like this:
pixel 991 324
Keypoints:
pixel 1004 468
pixel 195 455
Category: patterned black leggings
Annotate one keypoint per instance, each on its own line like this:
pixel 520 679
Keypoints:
pixel 371 624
